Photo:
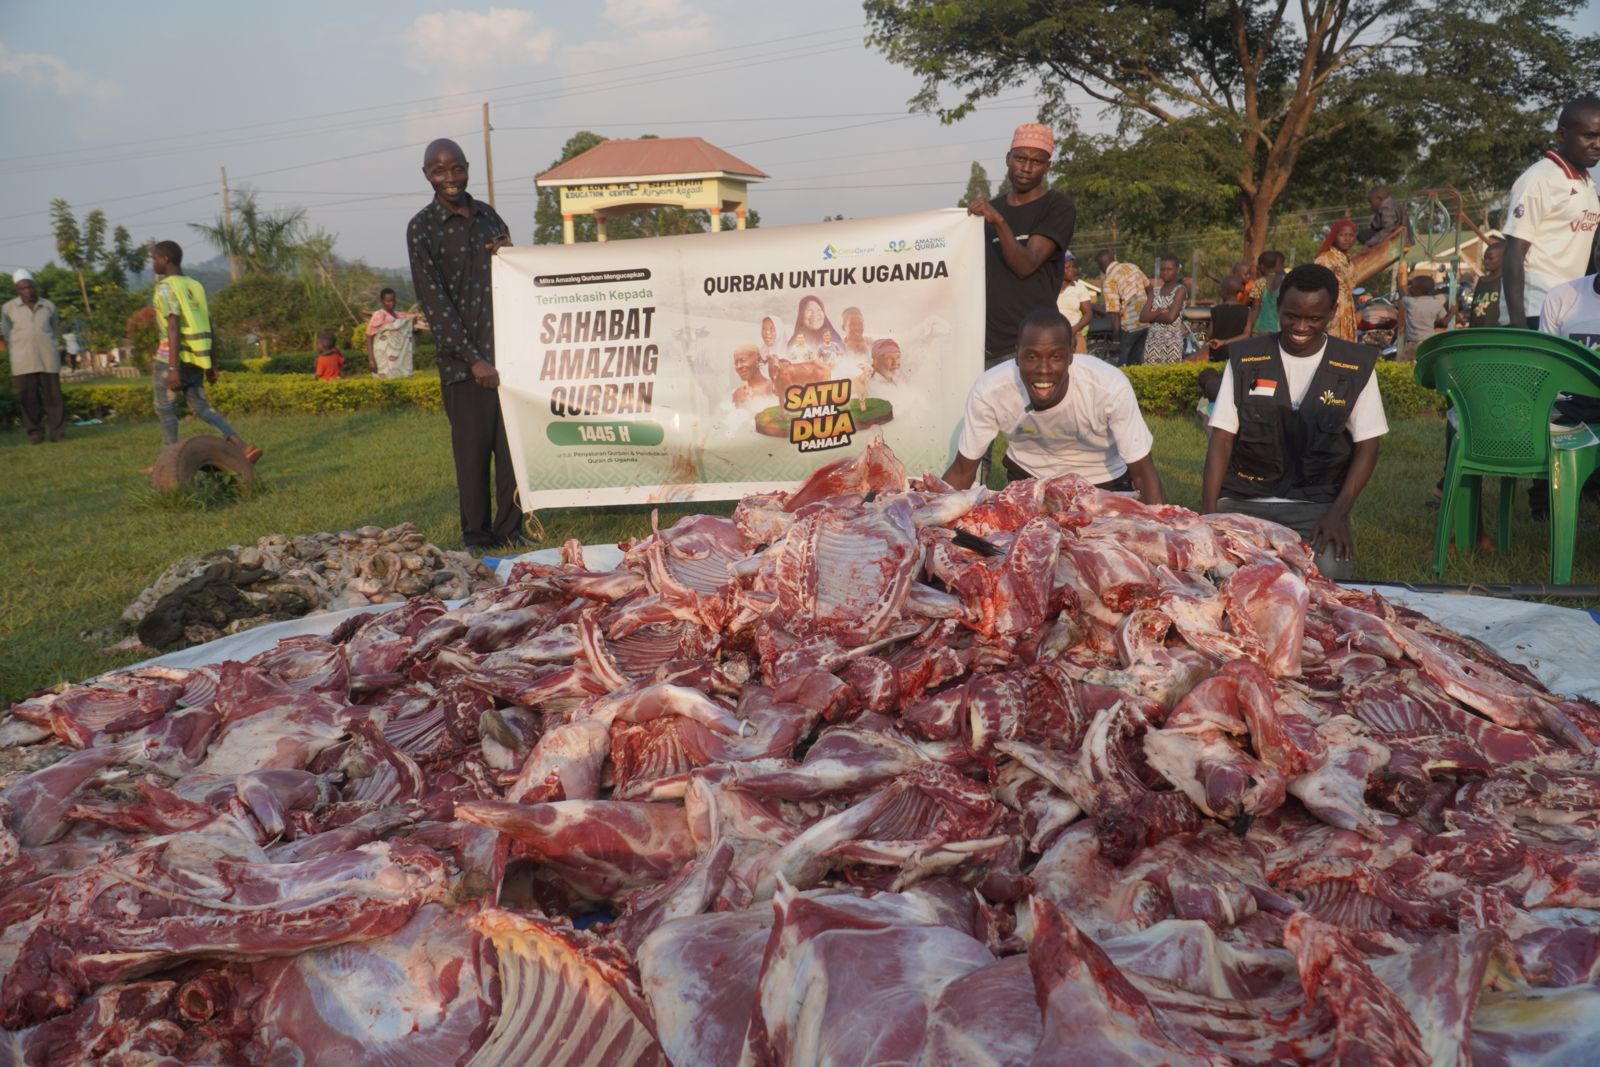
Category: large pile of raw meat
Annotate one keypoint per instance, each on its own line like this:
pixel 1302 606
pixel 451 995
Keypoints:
pixel 866 774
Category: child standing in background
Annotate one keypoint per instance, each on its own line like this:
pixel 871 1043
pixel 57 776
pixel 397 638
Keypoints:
pixel 1263 293
pixel 390 339
pixel 183 360
pixel 330 363
pixel 1424 313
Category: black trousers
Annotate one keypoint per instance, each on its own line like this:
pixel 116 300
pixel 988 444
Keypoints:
pixel 477 438
pixel 39 396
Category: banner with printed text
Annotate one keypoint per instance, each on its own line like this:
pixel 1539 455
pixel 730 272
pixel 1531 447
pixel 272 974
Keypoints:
pixel 710 366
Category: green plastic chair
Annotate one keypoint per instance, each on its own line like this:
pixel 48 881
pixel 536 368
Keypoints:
pixel 1503 383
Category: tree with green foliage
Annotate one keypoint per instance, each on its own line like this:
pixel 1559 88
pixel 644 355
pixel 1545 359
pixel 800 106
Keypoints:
pixel 1154 190
pixel 977 185
pixel 80 248
pixel 293 285
pixel 647 222
pixel 1486 106
pixel 143 336
pixel 1263 88
pixel 269 307
pixel 126 257
pixel 99 302
pixel 84 249
pixel 262 241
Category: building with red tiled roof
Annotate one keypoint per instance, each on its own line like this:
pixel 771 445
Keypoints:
pixel 617 177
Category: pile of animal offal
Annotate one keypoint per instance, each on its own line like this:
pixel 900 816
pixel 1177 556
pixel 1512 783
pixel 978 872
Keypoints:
pixel 873 772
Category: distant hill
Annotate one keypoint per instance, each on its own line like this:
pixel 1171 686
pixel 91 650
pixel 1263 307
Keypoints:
pixel 213 274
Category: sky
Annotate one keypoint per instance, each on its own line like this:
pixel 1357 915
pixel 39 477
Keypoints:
pixel 133 108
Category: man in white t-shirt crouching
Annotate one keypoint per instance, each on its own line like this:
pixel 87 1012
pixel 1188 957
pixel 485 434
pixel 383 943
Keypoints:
pixel 1294 435
pixel 1061 414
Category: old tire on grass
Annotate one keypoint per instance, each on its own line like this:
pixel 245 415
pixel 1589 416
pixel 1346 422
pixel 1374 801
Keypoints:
pixel 179 463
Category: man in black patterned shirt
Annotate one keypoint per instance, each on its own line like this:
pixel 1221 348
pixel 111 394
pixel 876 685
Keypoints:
pixel 451 243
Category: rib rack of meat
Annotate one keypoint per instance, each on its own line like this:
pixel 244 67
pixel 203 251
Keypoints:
pixel 872 772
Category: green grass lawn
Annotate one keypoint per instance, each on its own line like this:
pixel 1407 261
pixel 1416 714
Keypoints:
pixel 81 534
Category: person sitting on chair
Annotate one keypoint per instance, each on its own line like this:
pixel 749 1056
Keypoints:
pixel 1572 309
pixel 1294 435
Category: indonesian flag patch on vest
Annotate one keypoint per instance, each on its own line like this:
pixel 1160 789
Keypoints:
pixel 1264 387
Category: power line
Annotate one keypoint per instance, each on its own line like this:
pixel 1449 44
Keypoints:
pixel 892 117
pixel 787 38
pixel 636 123
pixel 246 177
pixel 697 122
pixel 148 151
pixel 14 242
pixel 872 185
pixel 630 81
pixel 122 218
pixel 112 200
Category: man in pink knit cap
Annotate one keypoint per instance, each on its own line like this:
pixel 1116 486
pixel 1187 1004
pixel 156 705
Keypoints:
pixel 1028 230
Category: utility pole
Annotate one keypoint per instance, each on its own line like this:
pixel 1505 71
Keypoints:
pixel 227 229
pixel 488 153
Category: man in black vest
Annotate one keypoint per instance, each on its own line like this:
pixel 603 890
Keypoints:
pixel 1294 436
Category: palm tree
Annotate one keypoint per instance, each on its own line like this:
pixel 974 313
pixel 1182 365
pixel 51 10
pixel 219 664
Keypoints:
pixel 264 242
pixel 79 248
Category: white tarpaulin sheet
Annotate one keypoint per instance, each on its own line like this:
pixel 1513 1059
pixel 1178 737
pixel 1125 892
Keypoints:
pixel 250 643
pixel 1561 646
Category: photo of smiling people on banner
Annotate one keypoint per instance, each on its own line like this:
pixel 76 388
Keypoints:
pixel 823 367
pixel 808 356
pixel 754 392
pixel 887 381
pixel 772 335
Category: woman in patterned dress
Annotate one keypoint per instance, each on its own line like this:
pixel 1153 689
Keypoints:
pixel 1334 255
pixel 1162 313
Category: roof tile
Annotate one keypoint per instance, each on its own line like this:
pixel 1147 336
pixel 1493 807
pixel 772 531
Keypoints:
pixel 650 156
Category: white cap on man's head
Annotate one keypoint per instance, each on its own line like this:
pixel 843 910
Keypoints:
pixel 21 276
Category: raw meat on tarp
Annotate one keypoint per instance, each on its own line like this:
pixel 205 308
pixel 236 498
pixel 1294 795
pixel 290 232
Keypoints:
pixel 872 772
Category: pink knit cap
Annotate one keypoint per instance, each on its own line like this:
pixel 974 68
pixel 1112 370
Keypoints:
pixel 1034 135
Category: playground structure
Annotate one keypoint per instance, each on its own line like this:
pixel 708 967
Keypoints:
pixel 1438 235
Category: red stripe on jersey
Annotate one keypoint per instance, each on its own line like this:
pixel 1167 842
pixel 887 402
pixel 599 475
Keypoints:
pixel 1568 169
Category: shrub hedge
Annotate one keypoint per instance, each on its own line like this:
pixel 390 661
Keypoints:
pixel 1162 390
pixel 251 394
pixel 1173 389
pixel 355 361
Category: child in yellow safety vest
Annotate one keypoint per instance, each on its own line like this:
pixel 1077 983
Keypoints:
pixel 184 321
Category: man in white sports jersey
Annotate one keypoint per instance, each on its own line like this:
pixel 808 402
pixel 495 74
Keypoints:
pixel 1551 221
pixel 1061 414
pixel 1552 216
